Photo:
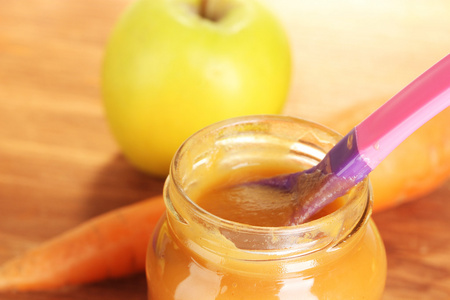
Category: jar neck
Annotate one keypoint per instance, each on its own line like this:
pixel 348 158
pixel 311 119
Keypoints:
pixel 228 142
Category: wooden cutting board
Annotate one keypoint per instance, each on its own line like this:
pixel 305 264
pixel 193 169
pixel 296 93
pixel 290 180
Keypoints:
pixel 59 165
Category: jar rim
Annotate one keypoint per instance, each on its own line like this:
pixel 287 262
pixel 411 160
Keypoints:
pixel 299 230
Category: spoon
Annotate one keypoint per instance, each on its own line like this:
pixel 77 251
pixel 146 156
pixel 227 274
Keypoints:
pixel 367 144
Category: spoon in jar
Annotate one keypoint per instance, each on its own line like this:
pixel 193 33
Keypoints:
pixel 367 144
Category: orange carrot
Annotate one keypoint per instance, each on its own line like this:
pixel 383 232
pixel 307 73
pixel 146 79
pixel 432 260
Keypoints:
pixel 108 246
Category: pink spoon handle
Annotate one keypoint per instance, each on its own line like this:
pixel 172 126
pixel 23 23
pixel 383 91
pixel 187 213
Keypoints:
pixel 366 145
pixel 393 122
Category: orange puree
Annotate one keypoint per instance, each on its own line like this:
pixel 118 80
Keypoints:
pixel 220 241
pixel 257 205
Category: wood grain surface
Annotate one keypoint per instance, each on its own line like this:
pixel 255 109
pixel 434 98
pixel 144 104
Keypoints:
pixel 60 166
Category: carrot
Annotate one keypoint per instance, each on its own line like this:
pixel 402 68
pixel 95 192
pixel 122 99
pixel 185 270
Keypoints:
pixel 108 246
pixel 415 168
pixel 114 244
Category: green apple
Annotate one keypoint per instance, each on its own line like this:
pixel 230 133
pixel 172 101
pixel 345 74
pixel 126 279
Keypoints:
pixel 172 67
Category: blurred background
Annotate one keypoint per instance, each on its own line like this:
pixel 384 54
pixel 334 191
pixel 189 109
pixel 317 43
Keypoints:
pixel 59 164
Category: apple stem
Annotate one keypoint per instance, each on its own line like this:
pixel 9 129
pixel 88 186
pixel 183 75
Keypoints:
pixel 203 9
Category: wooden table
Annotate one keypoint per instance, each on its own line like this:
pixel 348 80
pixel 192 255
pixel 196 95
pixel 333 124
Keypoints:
pixel 60 166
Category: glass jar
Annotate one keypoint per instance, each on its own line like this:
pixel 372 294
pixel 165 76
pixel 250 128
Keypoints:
pixel 196 255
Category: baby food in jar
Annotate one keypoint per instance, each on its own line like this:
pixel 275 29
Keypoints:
pixel 214 243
